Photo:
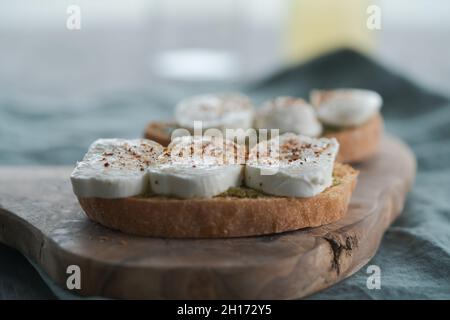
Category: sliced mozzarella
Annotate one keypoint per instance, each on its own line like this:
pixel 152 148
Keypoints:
pixel 289 114
pixel 115 168
pixel 291 165
pixel 221 111
pixel 346 107
pixel 198 167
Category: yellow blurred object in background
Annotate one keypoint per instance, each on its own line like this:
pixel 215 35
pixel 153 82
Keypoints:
pixel 318 26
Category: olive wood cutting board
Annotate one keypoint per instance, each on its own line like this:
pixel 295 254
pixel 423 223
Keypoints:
pixel 40 216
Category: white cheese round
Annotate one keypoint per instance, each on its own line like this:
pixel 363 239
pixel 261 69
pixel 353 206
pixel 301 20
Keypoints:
pixel 288 114
pixel 197 167
pixel 291 165
pixel 115 168
pixel 221 111
pixel 346 107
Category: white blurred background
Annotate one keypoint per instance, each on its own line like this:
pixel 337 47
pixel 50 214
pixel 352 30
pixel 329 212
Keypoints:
pixel 146 43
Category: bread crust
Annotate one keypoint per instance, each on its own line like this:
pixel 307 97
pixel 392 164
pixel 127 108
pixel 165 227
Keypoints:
pixel 160 132
pixel 222 217
pixel 357 144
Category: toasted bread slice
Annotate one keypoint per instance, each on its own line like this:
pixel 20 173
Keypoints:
pixel 160 132
pixel 229 215
pixel 357 144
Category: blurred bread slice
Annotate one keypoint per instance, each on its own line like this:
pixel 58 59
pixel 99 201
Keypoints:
pixel 357 144
pixel 160 132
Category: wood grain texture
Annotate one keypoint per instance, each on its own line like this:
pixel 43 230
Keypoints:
pixel 41 217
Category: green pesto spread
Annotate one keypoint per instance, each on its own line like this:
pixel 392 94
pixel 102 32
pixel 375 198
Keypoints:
pixel 242 192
